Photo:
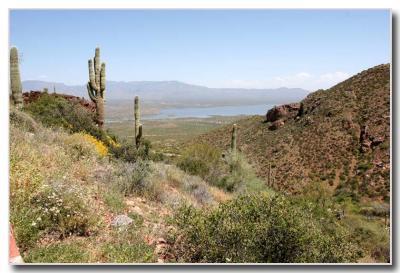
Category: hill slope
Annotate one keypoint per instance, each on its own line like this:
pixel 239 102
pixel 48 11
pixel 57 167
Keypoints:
pixel 339 136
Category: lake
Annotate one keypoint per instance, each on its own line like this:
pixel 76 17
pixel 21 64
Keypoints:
pixel 205 112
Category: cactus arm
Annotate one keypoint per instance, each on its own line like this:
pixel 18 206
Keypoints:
pixel 97 67
pixel 91 93
pixel 102 79
pixel 92 79
pixel 139 136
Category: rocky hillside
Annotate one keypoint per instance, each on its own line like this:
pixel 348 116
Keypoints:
pixel 339 137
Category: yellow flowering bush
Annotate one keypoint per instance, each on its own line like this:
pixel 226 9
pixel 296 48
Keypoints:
pixel 101 149
pixel 112 142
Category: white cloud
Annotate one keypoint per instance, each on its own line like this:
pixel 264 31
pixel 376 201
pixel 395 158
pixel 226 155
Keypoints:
pixel 301 79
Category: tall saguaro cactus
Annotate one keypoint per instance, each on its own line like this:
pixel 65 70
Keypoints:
pixel 138 125
pixel 233 140
pixel 15 79
pixel 97 85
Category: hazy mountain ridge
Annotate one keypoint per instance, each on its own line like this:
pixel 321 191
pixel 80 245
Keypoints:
pixel 177 92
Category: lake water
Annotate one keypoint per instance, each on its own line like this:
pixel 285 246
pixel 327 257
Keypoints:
pixel 205 112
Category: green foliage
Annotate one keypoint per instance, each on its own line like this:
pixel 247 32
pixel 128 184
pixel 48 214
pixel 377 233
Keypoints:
pixel 202 160
pixel 137 219
pixel 257 228
pixel 58 253
pixel 23 120
pixel 114 200
pixel 54 111
pixel 50 210
pixel 364 166
pixel 131 178
pixel 129 247
pixel 241 177
pixel 128 152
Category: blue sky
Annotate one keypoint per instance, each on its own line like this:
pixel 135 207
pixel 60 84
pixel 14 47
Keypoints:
pixel 217 48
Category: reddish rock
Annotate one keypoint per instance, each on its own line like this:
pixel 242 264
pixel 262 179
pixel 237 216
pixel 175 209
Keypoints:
pixel 283 112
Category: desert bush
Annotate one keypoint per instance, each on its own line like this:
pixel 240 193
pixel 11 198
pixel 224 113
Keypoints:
pixel 57 112
pixel 202 160
pixel 131 178
pixel 257 228
pixel 241 177
pixel 128 247
pixel 127 151
pixel 79 147
pixel 52 209
pixel 23 120
pixel 100 147
pixel 60 252
pixel 114 200
pixel 45 192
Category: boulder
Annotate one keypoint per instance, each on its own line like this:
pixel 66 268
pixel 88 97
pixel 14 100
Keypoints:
pixel 368 141
pixel 121 220
pixel 283 112
pixel 276 124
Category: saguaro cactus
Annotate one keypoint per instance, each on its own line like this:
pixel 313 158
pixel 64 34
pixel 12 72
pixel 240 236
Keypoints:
pixel 15 79
pixel 233 140
pixel 138 125
pixel 97 85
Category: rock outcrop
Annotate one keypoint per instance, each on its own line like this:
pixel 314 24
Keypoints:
pixel 368 141
pixel 285 111
pixel 279 114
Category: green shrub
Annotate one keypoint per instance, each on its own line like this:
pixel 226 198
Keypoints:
pixel 23 120
pixel 241 177
pixel 128 152
pixel 58 253
pixel 114 201
pixel 131 178
pixel 128 247
pixel 364 166
pixel 51 209
pixel 257 228
pixel 63 210
pixel 57 112
pixel 202 160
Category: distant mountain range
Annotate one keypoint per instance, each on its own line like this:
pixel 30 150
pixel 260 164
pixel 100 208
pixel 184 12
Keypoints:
pixel 175 92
